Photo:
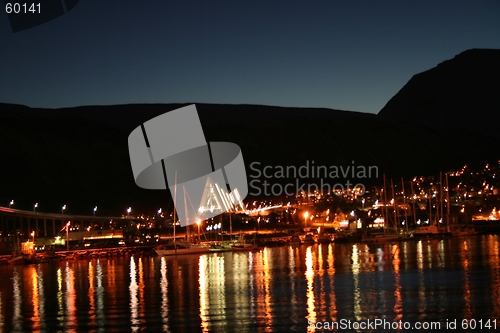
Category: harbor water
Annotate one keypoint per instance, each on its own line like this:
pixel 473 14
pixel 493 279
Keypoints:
pixel 351 287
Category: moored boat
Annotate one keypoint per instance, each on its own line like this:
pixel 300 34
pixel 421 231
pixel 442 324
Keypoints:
pixel 181 248
pixel 296 240
pixel 463 232
pixel 429 231
pixel 221 246
pixel 310 238
pixel 24 254
pixel 325 238
pixel 380 238
pixel 22 259
pixel 242 245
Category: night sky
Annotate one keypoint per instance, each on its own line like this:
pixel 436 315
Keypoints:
pixel 349 55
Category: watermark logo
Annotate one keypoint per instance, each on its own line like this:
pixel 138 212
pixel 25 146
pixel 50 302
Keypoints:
pixel 291 180
pixel 205 179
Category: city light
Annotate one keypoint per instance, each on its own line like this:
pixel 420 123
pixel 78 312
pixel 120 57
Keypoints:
pixel 67 233
pixel 198 222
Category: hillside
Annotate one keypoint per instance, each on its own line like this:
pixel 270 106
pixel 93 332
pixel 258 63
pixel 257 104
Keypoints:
pixel 460 93
pixel 79 156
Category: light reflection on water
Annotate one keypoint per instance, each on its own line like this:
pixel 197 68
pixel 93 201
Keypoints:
pixel 240 275
pixel 1 315
pixel 100 299
pixel 331 304
pixel 92 311
pixel 96 289
pixel 17 316
pixel 164 293
pixel 72 322
pixel 467 291
pixel 355 275
pixel 60 312
pixel 134 312
pixel 309 274
pixel 265 292
pixel 396 262
pixel 276 289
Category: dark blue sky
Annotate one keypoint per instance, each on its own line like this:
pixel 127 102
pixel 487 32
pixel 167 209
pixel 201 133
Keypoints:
pixel 350 55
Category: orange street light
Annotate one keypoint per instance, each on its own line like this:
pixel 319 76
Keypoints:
pixel 198 222
pixel 67 234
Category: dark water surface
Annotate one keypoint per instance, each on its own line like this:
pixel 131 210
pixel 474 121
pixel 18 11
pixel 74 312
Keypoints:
pixel 276 289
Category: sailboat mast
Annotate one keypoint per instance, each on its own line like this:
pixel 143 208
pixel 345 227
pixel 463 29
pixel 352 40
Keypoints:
pixel 414 198
pixel 175 196
pixel 395 205
pixel 447 201
pixel 404 202
pixel 441 197
pixel 386 210
pixel 430 209
pixel 221 228
pixel 186 212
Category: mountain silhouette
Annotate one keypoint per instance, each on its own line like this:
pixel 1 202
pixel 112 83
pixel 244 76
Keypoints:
pixel 460 93
pixel 440 120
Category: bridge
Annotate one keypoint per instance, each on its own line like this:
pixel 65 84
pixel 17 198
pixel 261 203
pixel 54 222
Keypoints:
pixel 50 229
